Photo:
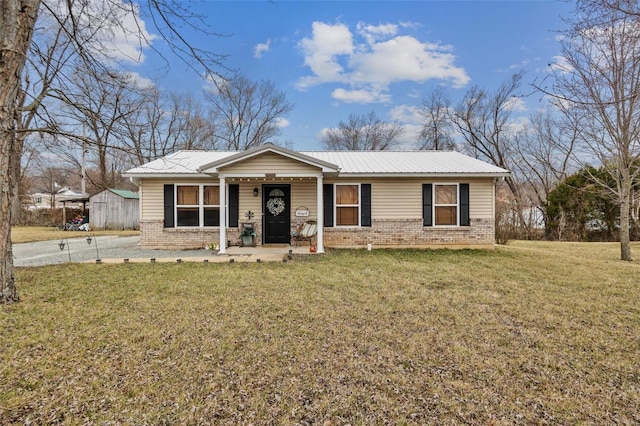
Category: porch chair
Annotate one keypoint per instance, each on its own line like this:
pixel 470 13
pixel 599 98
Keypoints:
pixel 305 232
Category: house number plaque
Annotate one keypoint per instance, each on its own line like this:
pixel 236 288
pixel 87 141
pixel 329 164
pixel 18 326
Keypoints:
pixel 269 175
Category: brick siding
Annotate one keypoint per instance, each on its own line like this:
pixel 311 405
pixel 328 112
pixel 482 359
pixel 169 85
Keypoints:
pixel 410 232
pixel 387 233
pixel 154 235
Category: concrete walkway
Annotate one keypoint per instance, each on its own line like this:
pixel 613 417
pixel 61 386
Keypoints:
pixel 114 249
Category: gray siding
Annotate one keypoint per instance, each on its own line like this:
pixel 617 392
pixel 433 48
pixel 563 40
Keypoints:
pixel 108 210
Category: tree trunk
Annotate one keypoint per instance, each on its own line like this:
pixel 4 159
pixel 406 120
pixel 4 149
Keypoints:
pixel 16 204
pixel 625 207
pixel 16 174
pixel 17 20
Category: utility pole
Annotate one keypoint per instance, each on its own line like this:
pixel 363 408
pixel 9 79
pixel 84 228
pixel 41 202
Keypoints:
pixel 83 172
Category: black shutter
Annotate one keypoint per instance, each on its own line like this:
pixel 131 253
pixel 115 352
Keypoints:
pixel 234 205
pixel 427 204
pixel 168 206
pixel 365 205
pixel 327 189
pixel 464 204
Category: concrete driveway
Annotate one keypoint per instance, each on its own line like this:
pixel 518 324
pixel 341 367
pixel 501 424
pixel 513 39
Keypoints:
pixel 115 249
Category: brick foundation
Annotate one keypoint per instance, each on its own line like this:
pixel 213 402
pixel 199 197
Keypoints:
pixel 153 235
pixel 382 233
pixel 410 232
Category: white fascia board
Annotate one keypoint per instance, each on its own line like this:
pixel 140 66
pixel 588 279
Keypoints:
pixel 263 175
pixel 166 175
pixel 423 175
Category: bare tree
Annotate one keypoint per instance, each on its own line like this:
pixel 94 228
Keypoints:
pixel 194 125
pixel 246 113
pixel 600 87
pixel 17 20
pixel 88 26
pixel 362 133
pixel 485 122
pixel 436 133
pixel 166 123
pixel 48 55
pixel 544 157
pixel 630 8
pixel 92 112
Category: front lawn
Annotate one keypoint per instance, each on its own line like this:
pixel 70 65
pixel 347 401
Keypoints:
pixel 28 234
pixel 533 333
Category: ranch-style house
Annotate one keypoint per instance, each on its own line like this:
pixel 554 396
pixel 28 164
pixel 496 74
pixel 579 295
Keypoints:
pixel 190 199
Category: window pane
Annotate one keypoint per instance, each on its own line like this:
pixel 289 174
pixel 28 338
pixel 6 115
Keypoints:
pixel 347 216
pixel 347 194
pixel 211 216
pixel 187 195
pixel 211 195
pixel 446 194
pixel 446 215
pixel 188 216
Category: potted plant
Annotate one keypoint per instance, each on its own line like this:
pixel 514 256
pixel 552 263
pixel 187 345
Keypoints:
pixel 247 236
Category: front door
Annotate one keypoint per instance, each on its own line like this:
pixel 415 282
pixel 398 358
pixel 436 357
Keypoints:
pixel 277 213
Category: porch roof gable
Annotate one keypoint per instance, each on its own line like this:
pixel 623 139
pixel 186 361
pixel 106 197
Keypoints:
pixel 214 166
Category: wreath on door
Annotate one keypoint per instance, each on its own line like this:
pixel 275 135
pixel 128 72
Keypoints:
pixel 275 206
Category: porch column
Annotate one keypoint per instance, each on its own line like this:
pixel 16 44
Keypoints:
pixel 223 216
pixel 320 207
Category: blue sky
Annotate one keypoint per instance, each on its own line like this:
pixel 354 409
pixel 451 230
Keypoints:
pixel 333 58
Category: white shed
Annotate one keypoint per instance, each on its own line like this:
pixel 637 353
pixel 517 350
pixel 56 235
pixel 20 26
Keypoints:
pixel 114 209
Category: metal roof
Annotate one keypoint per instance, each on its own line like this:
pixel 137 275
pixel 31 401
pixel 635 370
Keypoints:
pixel 406 162
pixel 125 193
pixel 179 163
pixel 355 163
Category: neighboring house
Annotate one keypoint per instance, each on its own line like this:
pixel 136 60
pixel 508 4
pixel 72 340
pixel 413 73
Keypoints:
pixel 58 199
pixel 114 209
pixel 383 198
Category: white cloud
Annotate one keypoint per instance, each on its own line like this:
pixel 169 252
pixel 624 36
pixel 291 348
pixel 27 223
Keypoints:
pixel 410 24
pixel 130 37
pixel 212 83
pixel 406 114
pixel 322 133
pixel 261 48
pixel 408 140
pixel 322 50
pixel 559 104
pixel 373 58
pixel 113 29
pixel 140 82
pixel 561 65
pixel 360 96
pixel 371 33
pixel 405 58
pixel 515 104
pixel 281 123
pixel 520 65
pixel 517 125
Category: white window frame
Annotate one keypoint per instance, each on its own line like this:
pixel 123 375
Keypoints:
pixel 201 206
pixel 335 204
pixel 457 205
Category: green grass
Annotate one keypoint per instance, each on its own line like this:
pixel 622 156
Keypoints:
pixel 28 234
pixel 533 333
